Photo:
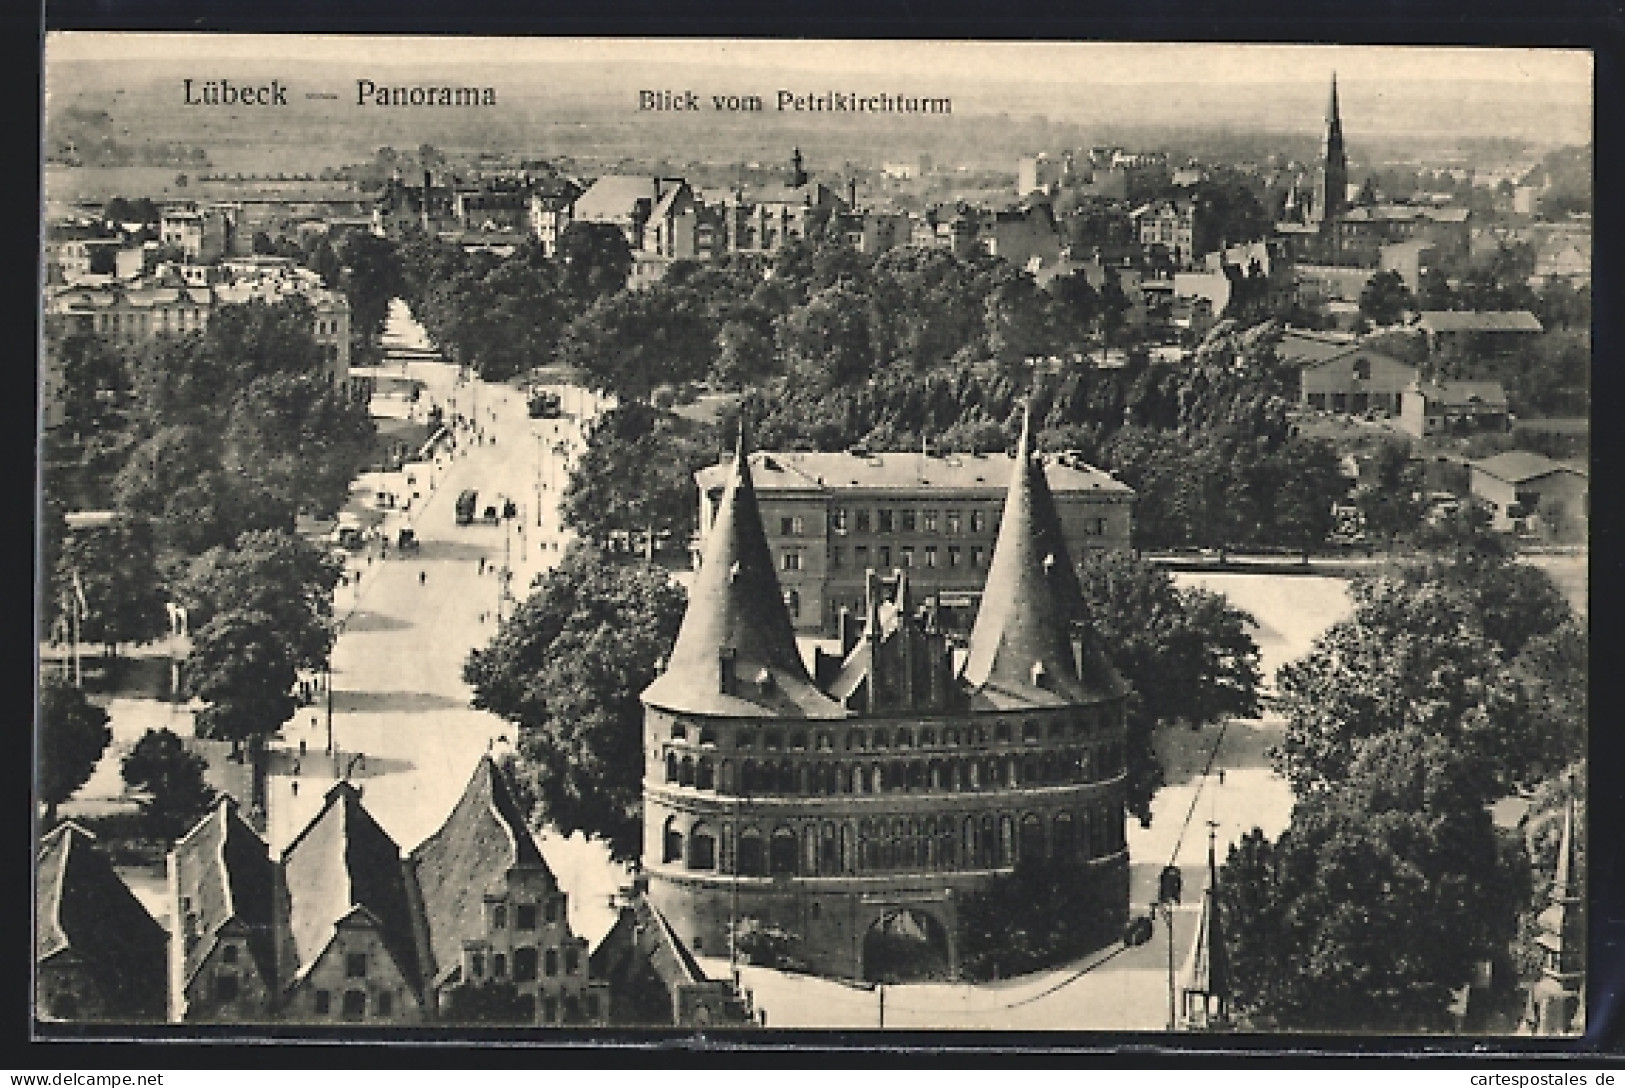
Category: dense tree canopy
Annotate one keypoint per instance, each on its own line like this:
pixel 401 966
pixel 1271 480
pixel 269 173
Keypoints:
pixel 270 572
pixel 567 668
pixel 627 344
pixel 73 734
pixel 172 779
pixel 115 568
pixel 1187 654
pixel 242 667
pixel 636 476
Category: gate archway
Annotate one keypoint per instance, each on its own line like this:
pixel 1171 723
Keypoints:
pixel 906 945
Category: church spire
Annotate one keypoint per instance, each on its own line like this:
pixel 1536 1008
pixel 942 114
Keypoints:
pixel 1557 1001
pixel 736 649
pixel 1021 642
pixel 1207 984
pixel 1333 196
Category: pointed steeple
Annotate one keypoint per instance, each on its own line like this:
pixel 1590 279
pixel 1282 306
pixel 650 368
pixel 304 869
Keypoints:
pixel 1021 643
pixel 736 650
pixel 1207 982
pixel 1333 197
pixel 1562 924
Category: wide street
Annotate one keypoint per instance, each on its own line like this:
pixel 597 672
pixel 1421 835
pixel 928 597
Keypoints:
pixel 402 726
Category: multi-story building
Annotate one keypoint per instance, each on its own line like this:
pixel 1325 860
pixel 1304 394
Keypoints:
pixel 1525 490
pixel 1171 225
pixel 855 805
pixel 830 517
pixel 181 298
pixel 98 954
pixel 341 928
pixel 201 235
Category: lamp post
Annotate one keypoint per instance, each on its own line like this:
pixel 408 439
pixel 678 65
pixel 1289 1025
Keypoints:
pixel 1163 908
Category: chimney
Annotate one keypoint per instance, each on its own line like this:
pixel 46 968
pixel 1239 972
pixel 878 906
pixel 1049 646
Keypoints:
pixel 1040 677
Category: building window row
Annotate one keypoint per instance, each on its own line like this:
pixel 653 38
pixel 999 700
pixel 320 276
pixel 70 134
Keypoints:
pixel 892 844
pixel 968 774
pixel 952 557
pixel 353 1004
pixel 1078 725
pixel 905 520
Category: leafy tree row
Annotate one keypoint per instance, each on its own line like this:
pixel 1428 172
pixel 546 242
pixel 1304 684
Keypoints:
pixel 1456 681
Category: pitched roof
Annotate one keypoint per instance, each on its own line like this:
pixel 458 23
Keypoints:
pixel 1021 643
pixel 470 855
pixel 83 910
pixel 969 474
pixel 1304 345
pixel 1479 321
pixel 1461 394
pixel 614 196
pixel 1516 466
pixel 223 871
pixel 735 608
pixel 341 863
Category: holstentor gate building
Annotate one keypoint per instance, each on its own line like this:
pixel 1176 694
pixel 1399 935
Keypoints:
pixel 904 772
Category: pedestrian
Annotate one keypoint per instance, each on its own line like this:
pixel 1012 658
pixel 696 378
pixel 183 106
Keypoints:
pixel 295 785
pixel 301 746
pixel 423 577
pixel 482 564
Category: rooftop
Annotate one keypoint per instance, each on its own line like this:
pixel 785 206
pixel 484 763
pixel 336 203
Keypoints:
pixel 223 872
pixel 1516 466
pixel 966 473
pixel 1479 321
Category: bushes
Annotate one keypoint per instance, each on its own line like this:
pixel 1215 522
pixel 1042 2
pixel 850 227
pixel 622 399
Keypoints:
pixel 1044 914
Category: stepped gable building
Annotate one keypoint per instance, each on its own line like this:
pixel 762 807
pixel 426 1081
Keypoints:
pixel 223 964
pixel 495 912
pixel 855 807
pixel 350 946
pixel 98 954
pixel 655 980
pixel 341 928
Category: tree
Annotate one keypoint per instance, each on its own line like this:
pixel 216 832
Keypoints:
pixel 370 275
pixel 115 567
pixel 597 259
pixel 744 357
pixel 636 476
pixel 73 734
pixel 1045 913
pixel 242 666
pixel 1186 653
pixel 1368 913
pixel 1385 298
pixel 1308 481
pixel 274 573
pixel 172 779
pixel 627 344
pixel 1391 504
pixel 567 669
pixel 826 342
pixel 297 437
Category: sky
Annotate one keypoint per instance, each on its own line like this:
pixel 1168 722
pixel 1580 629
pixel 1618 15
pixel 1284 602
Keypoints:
pixel 1040 62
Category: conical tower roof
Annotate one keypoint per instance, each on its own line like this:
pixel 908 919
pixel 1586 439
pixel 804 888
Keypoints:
pixel 736 652
pixel 1021 644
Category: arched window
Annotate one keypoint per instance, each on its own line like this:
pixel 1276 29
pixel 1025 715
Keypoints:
pixel 784 852
pixel 1063 843
pixel 705 775
pixel 928 738
pixel 878 780
pixel 1032 837
pixel 685 771
pixel 987 843
pixel 671 766
pixel 752 854
pixel 1086 831
pixel 672 851
pixel 725 777
pixel 552 960
pixel 708 734
pixel 702 848
pixel 905 737
pixel 1001 732
pixel 1007 841
pixel 798 740
pixel 882 738
pixel 747 777
pixel 849 858
pixel 1030 732
pixel 826 741
pixel 829 850
pixel 787 777
pixel 947 837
